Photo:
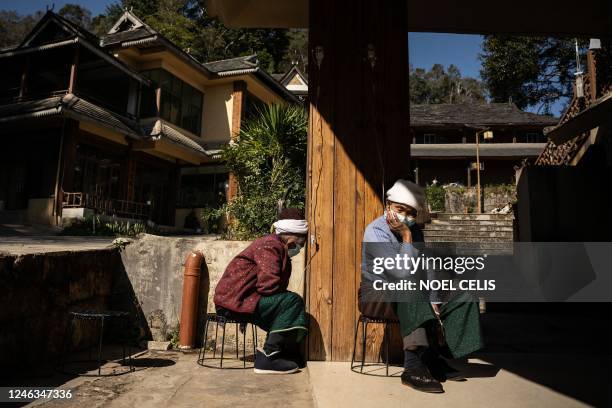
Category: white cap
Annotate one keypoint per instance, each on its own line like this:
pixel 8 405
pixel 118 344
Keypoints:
pixel 407 192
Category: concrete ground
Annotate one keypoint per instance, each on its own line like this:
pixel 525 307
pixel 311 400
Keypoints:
pixel 500 380
pixel 173 379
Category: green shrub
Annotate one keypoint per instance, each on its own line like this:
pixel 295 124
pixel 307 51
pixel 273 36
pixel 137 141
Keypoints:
pixel 435 197
pixel 92 225
pixel 268 160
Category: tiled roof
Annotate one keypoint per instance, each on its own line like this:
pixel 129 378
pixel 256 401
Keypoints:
pixel 78 108
pixel 88 110
pixel 69 105
pixel 475 115
pixel 160 129
pixel 125 36
pixel 248 62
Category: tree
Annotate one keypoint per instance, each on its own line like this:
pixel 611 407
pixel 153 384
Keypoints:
pixel 77 14
pixel 14 27
pixel 444 86
pixel 530 71
pixel 269 162
pixel 191 28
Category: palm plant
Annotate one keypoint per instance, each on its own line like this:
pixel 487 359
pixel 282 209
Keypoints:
pixel 268 159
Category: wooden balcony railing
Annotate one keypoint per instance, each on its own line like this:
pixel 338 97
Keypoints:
pixel 106 206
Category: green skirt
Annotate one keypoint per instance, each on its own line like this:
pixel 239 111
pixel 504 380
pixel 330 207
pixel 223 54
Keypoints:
pixel 460 320
pixel 282 312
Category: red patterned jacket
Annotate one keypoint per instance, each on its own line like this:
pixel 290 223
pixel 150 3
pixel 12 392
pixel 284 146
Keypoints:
pixel 263 268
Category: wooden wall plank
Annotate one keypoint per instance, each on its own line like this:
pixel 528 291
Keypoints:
pixel 357 138
pixel 320 207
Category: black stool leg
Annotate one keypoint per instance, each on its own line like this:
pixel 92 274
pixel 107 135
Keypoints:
pixel 237 345
pixel 244 347
pixel 387 347
pixel 363 344
pixel 100 345
pixel 202 353
pixel 355 344
pixel 125 329
pixel 254 333
pixel 216 334
pixel 223 344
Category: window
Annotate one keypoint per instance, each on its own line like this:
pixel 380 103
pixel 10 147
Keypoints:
pixel 534 137
pixel 181 104
pixel 429 138
pixel 203 187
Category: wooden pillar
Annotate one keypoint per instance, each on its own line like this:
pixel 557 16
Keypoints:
pixel 128 175
pixel 66 162
pixel 238 108
pixel 73 70
pixel 359 144
pixel 592 72
pixel 23 88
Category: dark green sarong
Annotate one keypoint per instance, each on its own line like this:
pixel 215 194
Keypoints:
pixel 460 320
pixel 281 312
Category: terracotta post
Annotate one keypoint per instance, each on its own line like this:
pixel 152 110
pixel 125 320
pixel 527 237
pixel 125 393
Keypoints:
pixel 189 306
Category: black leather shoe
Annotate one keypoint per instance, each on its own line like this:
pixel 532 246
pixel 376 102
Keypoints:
pixel 441 371
pixel 273 363
pixel 421 380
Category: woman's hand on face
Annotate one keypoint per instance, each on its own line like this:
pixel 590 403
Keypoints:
pixel 398 227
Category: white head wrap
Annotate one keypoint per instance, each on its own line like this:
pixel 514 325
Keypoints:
pixel 407 192
pixel 290 226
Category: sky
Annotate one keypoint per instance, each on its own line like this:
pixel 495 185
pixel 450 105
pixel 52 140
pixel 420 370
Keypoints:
pixel 30 6
pixel 425 49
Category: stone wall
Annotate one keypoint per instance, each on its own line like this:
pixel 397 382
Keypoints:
pixel 154 265
pixel 146 279
pixel 463 199
pixel 40 289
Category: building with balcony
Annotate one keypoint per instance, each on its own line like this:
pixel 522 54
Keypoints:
pixel 126 125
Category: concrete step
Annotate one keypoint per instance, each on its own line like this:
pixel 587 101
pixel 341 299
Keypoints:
pixel 447 238
pixel 476 235
pixel 467 227
pixel 501 223
pixel 472 217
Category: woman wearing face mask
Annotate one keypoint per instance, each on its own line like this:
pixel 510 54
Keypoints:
pixel 253 289
pixel 393 234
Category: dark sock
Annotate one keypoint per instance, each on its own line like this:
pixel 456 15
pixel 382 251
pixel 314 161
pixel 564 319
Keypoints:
pixel 412 358
pixel 274 342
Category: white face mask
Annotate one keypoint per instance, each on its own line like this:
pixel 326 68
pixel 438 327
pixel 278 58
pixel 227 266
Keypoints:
pixel 294 251
pixel 409 220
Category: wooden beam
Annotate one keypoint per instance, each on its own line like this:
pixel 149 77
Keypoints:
pixel 73 70
pixel 144 145
pixel 238 107
pixel 600 112
pixel 358 146
pixel 23 88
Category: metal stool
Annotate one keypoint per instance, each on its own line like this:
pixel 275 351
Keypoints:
pixel 98 317
pixel 364 320
pixel 220 320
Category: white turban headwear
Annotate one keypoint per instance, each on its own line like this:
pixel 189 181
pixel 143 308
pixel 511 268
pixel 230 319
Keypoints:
pixel 290 226
pixel 407 192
